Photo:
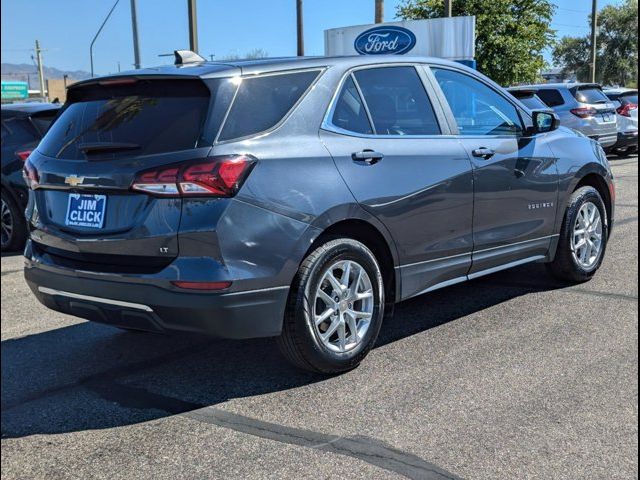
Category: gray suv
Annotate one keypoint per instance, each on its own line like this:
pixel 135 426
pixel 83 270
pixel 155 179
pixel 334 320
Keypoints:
pixel 301 198
pixel 582 107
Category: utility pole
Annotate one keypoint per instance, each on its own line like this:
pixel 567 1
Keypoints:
pixel 448 8
pixel 193 26
pixel 379 17
pixel 98 33
pixel 136 40
pixel 40 70
pixel 594 39
pixel 300 28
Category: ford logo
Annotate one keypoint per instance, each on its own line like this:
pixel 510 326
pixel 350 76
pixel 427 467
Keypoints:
pixel 385 40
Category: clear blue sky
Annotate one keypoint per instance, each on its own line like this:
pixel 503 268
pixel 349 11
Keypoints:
pixel 65 27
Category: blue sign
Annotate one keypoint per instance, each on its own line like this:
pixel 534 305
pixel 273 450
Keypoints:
pixel 385 41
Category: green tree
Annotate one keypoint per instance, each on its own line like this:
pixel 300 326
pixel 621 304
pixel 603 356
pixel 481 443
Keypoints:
pixel 617 42
pixel 511 35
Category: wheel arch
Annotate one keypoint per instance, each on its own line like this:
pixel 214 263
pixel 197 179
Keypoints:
pixel 373 238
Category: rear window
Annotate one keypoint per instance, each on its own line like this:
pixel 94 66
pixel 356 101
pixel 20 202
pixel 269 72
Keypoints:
pixel 627 98
pixel 17 131
pixel 553 98
pixel 591 95
pixel 146 117
pixel 43 120
pixel 263 101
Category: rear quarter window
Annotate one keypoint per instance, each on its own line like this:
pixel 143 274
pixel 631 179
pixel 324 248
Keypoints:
pixel 263 101
pixel 553 98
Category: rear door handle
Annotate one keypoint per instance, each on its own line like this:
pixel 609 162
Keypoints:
pixel 367 156
pixel 483 152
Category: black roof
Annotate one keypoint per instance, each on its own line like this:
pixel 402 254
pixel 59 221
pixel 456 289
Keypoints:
pixel 29 108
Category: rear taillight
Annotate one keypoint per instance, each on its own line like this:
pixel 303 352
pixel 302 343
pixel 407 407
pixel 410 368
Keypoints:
pixel 625 110
pixel 215 176
pixel 30 174
pixel 584 112
pixel 23 155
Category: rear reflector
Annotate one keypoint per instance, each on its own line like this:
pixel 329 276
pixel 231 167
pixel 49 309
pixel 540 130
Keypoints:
pixel 23 155
pixel 202 285
pixel 212 177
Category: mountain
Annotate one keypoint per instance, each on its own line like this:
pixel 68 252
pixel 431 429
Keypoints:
pixel 26 72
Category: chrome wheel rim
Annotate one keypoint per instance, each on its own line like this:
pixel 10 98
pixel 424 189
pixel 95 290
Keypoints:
pixel 7 224
pixel 586 242
pixel 343 306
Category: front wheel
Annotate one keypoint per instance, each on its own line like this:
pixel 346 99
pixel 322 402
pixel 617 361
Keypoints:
pixel 583 238
pixel 335 308
pixel 14 230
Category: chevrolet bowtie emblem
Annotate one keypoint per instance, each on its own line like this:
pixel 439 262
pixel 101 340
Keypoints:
pixel 73 180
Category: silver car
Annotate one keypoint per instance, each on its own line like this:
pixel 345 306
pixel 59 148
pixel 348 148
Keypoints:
pixel 581 106
pixel 626 100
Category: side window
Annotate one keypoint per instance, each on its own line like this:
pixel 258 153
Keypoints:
pixel 477 108
pixel 262 101
pixel 553 98
pixel 397 101
pixel 349 113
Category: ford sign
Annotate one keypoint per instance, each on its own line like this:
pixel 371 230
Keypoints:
pixel 385 40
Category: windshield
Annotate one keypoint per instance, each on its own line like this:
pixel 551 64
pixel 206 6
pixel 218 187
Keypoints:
pixel 147 117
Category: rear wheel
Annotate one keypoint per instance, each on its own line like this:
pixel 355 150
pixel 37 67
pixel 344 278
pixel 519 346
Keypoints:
pixel 335 308
pixel 14 231
pixel 583 238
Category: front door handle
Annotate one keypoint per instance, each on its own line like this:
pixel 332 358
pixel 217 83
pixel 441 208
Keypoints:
pixel 367 156
pixel 483 152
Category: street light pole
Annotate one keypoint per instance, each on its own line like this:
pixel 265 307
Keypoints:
pixel 300 28
pixel 379 16
pixel 594 39
pixel 98 33
pixel 136 40
pixel 193 26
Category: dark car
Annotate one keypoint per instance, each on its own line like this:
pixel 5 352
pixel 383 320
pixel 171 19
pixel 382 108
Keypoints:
pixel 23 125
pixel 301 198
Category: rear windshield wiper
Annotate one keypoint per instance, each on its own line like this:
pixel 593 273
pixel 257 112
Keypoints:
pixel 95 147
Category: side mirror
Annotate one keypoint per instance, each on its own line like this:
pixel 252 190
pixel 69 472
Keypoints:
pixel 545 121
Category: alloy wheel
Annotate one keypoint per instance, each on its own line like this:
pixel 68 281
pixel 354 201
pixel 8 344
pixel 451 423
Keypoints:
pixel 586 241
pixel 7 224
pixel 343 306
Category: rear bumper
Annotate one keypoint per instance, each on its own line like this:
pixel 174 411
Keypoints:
pixel 142 306
pixel 627 139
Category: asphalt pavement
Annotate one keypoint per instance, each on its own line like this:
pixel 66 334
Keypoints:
pixel 513 376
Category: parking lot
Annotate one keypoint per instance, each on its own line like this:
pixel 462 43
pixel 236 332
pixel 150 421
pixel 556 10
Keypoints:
pixel 511 376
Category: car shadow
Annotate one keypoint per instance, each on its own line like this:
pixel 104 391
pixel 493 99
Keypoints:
pixel 89 376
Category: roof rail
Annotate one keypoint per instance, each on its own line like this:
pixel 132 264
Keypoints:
pixel 183 57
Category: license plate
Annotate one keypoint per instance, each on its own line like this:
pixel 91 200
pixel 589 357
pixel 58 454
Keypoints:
pixel 85 210
pixel 607 117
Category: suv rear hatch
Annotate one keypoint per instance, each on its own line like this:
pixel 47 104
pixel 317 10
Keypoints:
pixel 597 103
pixel 88 216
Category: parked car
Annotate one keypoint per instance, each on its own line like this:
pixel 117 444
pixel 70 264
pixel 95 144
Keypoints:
pixel 23 125
pixel 301 198
pixel 582 107
pixel 626 100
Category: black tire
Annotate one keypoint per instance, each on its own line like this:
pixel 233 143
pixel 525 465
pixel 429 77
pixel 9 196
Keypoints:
pixel 300 342
pixel 13 240
pixel 565 266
